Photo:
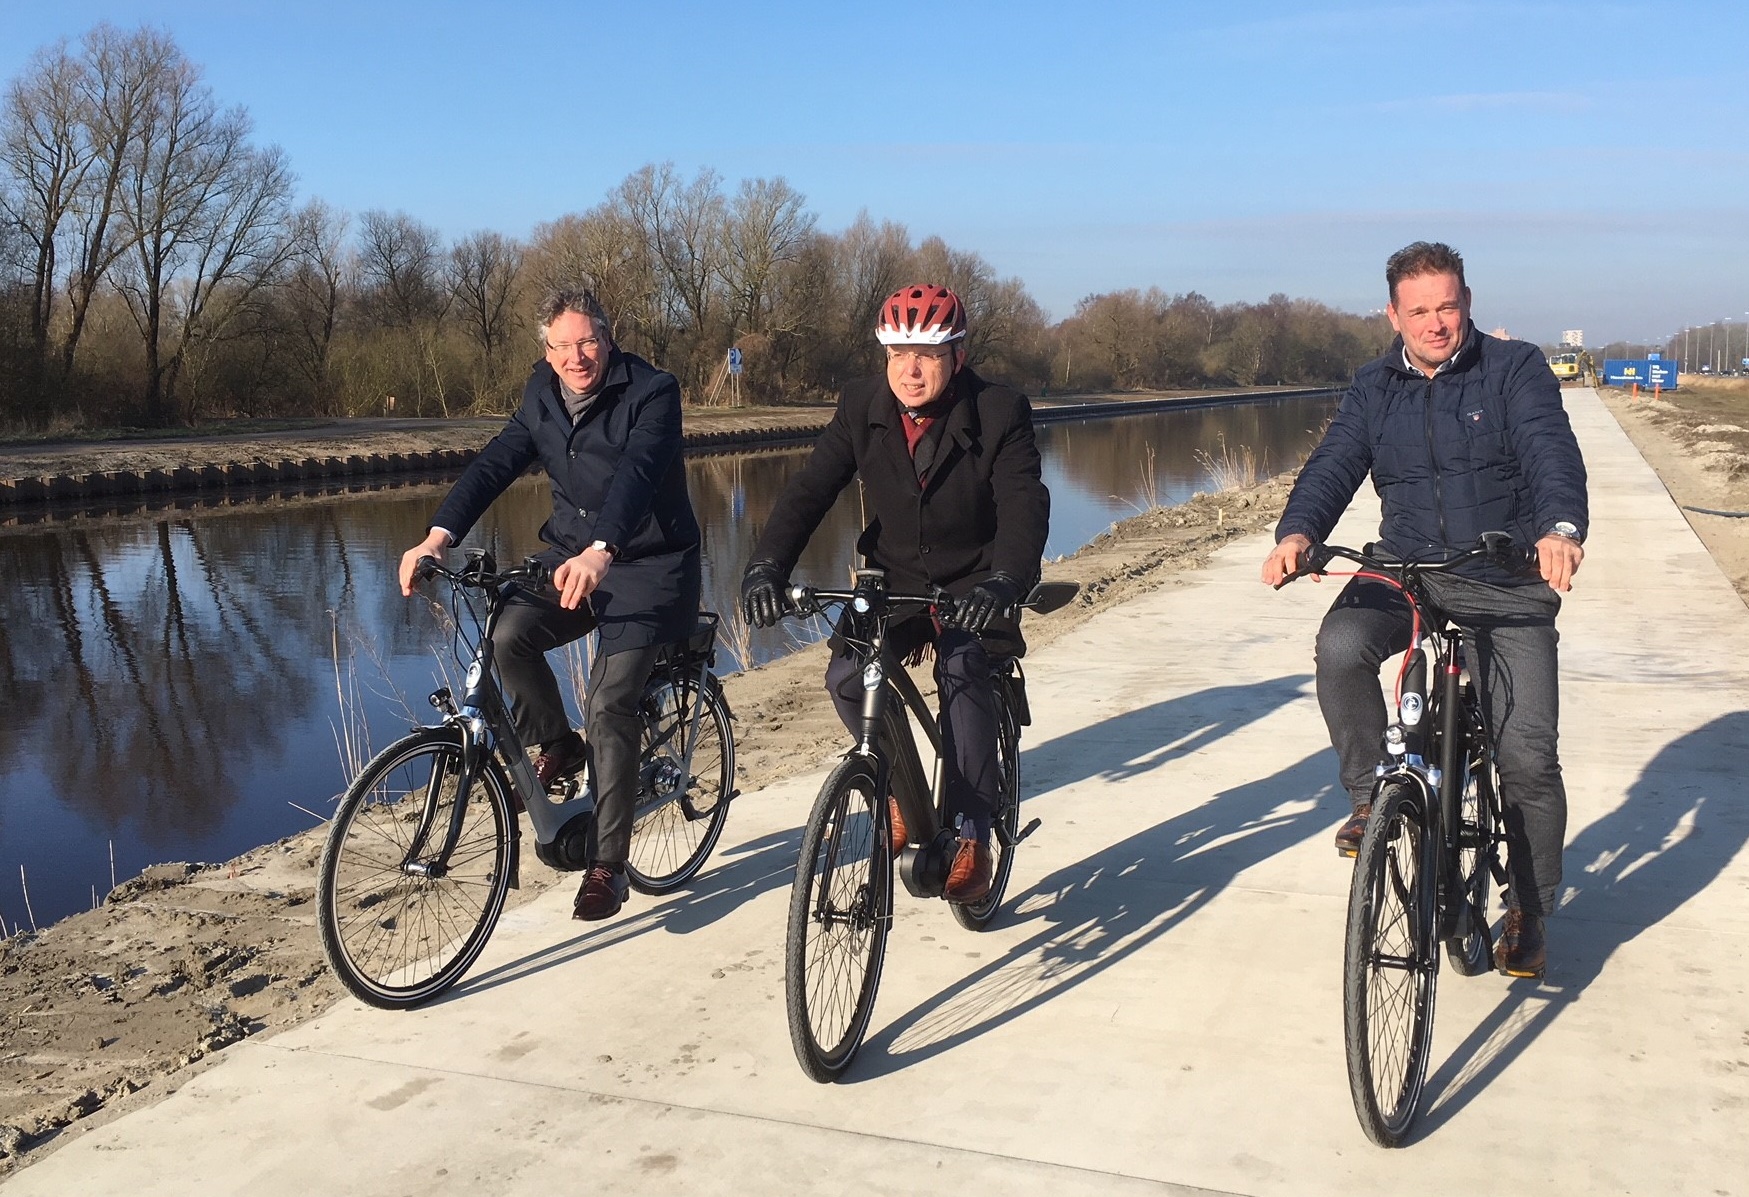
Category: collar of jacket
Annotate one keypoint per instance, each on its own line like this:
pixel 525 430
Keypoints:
pixel 1465 357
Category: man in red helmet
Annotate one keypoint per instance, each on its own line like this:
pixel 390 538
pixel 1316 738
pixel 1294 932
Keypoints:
pixel 950 477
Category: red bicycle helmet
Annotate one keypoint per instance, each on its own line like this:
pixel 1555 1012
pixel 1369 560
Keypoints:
pixel 922 315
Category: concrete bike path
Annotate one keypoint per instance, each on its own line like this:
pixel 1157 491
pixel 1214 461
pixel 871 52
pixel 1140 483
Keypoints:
pixel 1159 1011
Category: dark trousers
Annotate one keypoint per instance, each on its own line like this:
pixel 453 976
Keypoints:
pixel 529 628
pixel 1510 642
pixel 968 721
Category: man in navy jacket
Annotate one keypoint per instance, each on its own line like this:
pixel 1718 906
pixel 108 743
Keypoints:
pixel 1462 434
pixel 605 427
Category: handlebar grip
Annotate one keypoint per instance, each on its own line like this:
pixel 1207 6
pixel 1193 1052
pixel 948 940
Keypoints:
pixel 424 568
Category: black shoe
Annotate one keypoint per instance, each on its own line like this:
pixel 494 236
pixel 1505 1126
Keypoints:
pixel 1523 948
pixel 602 893
pixel 1348 836
pixel 559 760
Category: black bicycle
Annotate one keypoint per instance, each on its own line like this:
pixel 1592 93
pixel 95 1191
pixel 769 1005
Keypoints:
pixel 841 903
pixel 1431 848
pixel 425 844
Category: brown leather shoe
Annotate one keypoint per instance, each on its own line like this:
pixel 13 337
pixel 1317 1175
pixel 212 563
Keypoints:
pixel 602 893
pixel 899 836
pixel 969 879
pixel 1522 949
pixel 560 761
pixel 1348 836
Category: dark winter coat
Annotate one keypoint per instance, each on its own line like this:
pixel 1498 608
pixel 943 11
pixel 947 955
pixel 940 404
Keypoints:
pixel 984 509
pixel 1482 446
pixel 616 475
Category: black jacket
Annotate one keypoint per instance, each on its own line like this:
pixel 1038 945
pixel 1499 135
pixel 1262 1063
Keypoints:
pixel 985 509
pixel 616 475
pixel 1482 446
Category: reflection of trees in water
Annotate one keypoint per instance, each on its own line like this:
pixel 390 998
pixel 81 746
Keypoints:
pixel 156 666
pixel 1110 456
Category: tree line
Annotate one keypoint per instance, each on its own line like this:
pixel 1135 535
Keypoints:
pixel 156 269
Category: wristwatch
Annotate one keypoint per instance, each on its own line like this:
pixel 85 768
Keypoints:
pixel 612 550
pixel 1566 528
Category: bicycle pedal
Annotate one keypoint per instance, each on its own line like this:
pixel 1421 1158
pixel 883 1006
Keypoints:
pixel 1028 830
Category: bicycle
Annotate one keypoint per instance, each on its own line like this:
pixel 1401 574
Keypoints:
pixel 841 902
pixel 1431 848
pixel 425 843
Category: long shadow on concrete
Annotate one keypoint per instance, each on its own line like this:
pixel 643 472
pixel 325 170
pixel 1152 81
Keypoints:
pixel 741 873
pixel 1103 909
pixel 1682 824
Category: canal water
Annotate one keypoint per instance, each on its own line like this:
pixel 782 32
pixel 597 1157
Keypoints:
pixel 183 686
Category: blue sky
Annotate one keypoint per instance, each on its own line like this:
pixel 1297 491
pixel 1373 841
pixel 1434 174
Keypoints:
pixel 1590 161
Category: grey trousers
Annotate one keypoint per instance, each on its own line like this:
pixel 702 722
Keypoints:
pixel 1511 644
pixel 968 723
pixel 526 631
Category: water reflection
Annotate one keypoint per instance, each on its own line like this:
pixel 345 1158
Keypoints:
pixel 171 686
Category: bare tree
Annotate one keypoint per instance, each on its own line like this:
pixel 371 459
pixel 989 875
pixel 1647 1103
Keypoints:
pixel 682 223
pixel 205 211
pixel 483 271
pixel 125 75
pixel 765 227
pixel 45 146
pixel 604 250
pixel 311 294
pixel 399 265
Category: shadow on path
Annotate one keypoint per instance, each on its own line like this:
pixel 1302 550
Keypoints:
pixel 1683 822
pixel 1102 909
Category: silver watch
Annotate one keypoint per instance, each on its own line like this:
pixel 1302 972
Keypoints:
pixel 1565 528
pixel 601 546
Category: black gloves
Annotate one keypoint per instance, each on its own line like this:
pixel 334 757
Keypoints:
pixel 994 596
pixel 762 600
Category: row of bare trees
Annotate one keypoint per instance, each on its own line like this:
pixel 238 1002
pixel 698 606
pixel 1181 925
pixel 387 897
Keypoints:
pixel 154 268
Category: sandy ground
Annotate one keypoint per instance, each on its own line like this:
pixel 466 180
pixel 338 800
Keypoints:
pixel 119 1005
pixel 187 958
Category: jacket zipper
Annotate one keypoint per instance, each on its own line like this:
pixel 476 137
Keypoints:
pixel 1433 460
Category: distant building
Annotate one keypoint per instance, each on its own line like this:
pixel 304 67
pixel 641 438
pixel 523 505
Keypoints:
pixel 1573 338
pixel 1501 334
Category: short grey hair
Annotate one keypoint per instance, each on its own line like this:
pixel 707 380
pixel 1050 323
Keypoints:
pixel 580 300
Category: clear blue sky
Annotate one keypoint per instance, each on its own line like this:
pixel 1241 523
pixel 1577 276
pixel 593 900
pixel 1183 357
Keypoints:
pixel 1590 161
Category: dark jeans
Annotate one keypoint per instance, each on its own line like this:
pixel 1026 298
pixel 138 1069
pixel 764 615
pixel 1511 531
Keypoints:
pixel 1510 642
pixel 968 724
pixel 528 629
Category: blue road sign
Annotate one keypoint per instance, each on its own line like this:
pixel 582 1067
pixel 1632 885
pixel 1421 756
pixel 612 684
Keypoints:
pixel 734 361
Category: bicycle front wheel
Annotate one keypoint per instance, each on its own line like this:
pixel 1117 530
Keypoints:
pixel 401 919
pixel 976 916
pixel 1390 966
pixel 685 780
pixel 840 908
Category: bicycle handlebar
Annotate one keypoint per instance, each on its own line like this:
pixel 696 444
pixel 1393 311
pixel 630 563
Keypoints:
pixel 1498 547
pixel 804 600
pixel 481 572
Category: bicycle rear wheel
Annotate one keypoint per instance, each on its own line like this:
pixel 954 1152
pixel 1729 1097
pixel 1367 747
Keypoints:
pixel 400 926
pixel 1471 950
pixel 976 916
pixel 840 908
pixel 682 805
pixel 1390 966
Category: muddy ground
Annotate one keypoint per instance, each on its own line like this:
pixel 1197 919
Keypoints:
pixel 119 1005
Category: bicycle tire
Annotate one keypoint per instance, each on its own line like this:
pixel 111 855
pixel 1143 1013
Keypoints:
pixel 841 907
pixel 1390 966
pixel 395 939
pixel 672 839
pixel 1471 951
pixel 977 916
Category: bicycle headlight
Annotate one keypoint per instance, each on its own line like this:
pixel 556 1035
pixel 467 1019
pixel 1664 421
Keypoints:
pixel 859 604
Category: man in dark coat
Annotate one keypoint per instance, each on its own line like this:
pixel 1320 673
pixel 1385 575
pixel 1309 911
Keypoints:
pixel 1462 434
pixel 605 426
pixel 950 473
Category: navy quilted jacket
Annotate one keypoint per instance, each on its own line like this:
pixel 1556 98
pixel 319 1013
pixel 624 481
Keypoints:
pixel 1483 446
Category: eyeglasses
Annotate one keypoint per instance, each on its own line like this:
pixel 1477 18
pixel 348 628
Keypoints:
pixel 931 353
pixel 586 346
